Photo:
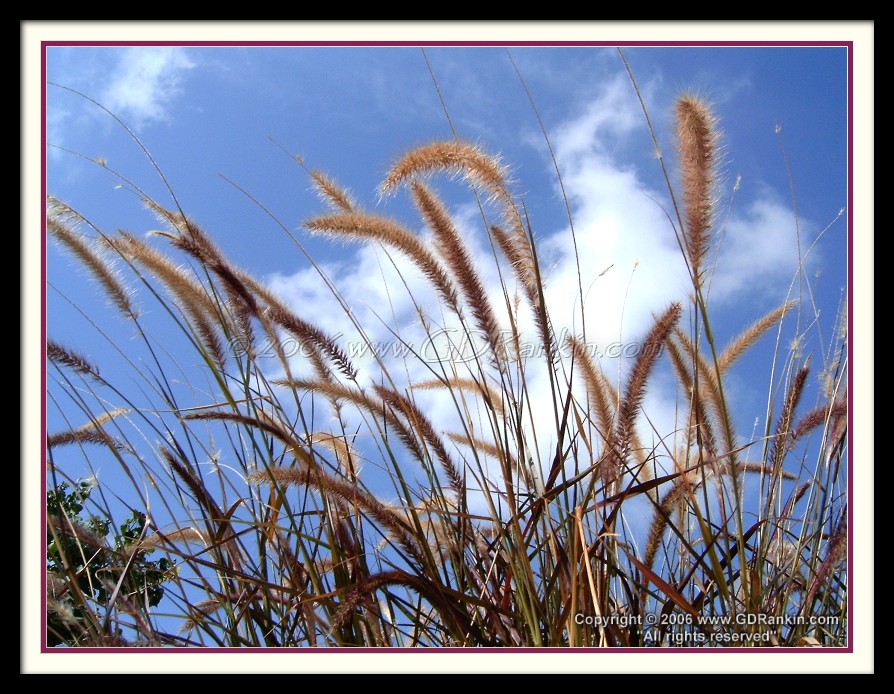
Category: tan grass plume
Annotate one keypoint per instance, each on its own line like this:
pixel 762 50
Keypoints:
pixel 456 158
pixel 456 254
pixel 58 354
pixel 359 226
pixel 98 266
pixel 697 141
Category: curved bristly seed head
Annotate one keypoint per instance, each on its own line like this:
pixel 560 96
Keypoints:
pixel 456 158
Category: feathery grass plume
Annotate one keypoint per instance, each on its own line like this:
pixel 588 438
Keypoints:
pixel 106 417
pixel 62 610
pixel 360 593
pixel 375 407
pixel 418 421
pixel 184 228
pixel 332 193
pixel 781 440
pixel 456 254
pixel 242 301
pixel 671 500
pixel 195 300
pixel 762 469
pixel 85 537
pixel 66 357
pixel 486 447
pixel 200 612
pixel 456 158
pixel 349 493
pixel 822 415
pixel 348 458
pixel 374 228
pixel 697 141
pixel 750 335
pixel 599 392
pixel 82 435
pixel 270 425
pixel 98 266
pixel 708 392
pixel 184 535
pixel 206 501
pixel 321 345
pixel 836 552
pixel 636 389
pixel 517 249
pixel 707 374
pixel 490 395
pixel 190 238
pixel 787 510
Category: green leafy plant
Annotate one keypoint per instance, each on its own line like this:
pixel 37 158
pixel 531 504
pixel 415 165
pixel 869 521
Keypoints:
pixel 87 576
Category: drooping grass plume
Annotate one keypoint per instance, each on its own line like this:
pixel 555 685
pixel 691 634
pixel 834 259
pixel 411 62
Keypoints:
pixel 492 397
pixel 91 432
pixel 322 346
pixel 517 246
pixel 179 535
pixel 87 539
pixel 373 228
pixel 190 238
pixel 201 493
pixel 85 435
pixel 481 446
pixel 195 300
pixel 93 261
pixel 348 458
pixel 67 357
pixel 696 406
pixel 348 493
pixel 456 158
pixel 518 252
pixel 271 426
pixel 455 254
pixel 419 422
pixel 710 390
pixel 822 415
pixel 374 407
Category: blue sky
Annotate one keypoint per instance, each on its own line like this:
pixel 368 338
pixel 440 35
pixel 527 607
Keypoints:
pixel 206 113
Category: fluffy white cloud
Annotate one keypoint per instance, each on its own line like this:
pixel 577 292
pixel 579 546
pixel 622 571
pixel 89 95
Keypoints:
pixel 144 82
pixel 759 253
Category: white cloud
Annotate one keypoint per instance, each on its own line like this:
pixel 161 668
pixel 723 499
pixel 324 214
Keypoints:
pixel 759 252
pixel 145 81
